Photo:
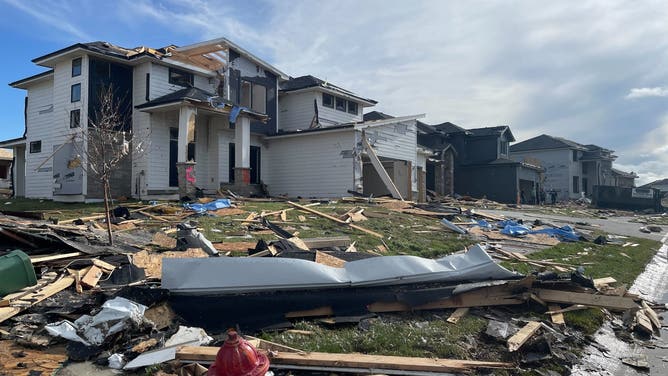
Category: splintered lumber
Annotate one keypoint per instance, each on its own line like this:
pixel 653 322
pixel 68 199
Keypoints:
pixel 45 258
pixel 35 296
pixel 520 338
pixel 642 322
pixel 614 303
pixel 557 317
pixel 107 267
pixel 600 282
pixel 263 344
pixel 329 260
pixel 313 211
pixel 653 317
pixel 358 361
pixel 554 309
pixel 92 277
pixel 382 173
pixel 298 243
pixel 458 314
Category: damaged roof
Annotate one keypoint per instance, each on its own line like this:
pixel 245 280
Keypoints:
pixel 377 115
pixel 545 141
pixel 624 174
pixel 104 48
pixel 189 93
pixel 305 82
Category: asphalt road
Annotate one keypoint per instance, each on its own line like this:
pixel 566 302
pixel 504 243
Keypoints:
pixel 613 225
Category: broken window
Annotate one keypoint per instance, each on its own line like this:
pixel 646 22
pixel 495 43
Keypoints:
pixel 75 93
pixel 328 100
pixel 352 108
pixel 246 89
pixel 75 118
pixel 36 146
pixel 76 67
pixel 340 104
pixel 181 78
pixel 576 184
pixel 259 95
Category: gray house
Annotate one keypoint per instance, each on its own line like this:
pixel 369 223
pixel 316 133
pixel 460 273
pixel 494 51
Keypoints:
pixel 571 168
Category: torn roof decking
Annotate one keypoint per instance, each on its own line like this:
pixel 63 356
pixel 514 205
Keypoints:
pixel 238 275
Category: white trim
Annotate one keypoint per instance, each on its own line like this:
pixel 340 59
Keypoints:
pixel 14 143
pixel 173 62
pixel 311 133
pixel 25 84
pixel 322 89
pixel 376 123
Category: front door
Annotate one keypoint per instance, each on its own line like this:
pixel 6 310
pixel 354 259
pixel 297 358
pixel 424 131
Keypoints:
pixel 173 156
pixel 255 165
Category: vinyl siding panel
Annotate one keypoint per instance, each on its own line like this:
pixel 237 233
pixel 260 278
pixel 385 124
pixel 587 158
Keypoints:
pixel 160 82
pixel 158 161
pixel 313 165
pixel 295 111
pixel 141 127
pixel 52 125
pixel 558 166
pixel 396 141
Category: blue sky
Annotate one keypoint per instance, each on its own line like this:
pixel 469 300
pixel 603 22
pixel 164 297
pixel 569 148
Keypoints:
pixel 590 71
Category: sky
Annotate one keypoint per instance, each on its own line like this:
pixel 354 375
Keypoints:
pixel 594 72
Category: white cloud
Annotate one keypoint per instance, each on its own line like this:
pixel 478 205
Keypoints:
pixel 54 15
pixel 648 157
pixel 647 92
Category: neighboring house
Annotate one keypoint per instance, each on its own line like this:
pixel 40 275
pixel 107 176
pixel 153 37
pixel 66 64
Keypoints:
pixel 661 185
pixel 213 116
pixel 475 162
pixel 571 168
pixel 6 158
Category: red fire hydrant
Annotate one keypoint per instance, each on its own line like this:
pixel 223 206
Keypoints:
pixel 237 357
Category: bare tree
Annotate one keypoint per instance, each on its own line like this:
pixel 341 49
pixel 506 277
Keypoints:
pixel 106 142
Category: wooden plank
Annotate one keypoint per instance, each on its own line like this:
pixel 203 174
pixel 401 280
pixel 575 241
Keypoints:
pixel 558 317
pixel 653 317
pixel 45 258
pixel 271 346
pixel 615 303
pixel 382 173
pixel 208 354
pixel 298 243
pixel 36 296
pixel 92 277
pixel 313 211
pixel 335 241
pixel 315 312
pixel 457 314
pixel 642 322
pixel 107 267
pixel 520 338
pixel 329 260
pixel 575 307
pixel 600 282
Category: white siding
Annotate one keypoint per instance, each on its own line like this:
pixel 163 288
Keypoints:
pixel 52 126
pixel 141 127
pixel 310 165
pixel 160 82
pixel 158 167
pixel 559 169
pixel 396 141
pixel 295 111
pixel 225 137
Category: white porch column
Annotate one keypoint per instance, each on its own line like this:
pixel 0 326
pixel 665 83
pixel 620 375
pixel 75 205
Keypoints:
pixel 186 168
pixel 242 150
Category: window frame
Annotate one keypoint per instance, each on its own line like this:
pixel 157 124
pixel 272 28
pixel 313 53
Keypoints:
pixel 78 86
pixel 325 95
pixel 172 81
pixel 336 104
pixel 576 184
pixel 77 63
pixel 35 147
pixel 356 107
pixel 575 156
pixel 78 118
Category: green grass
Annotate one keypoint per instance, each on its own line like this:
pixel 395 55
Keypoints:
pixel 598 260
pixel 52 209
pixel 417 335
pixel 399 229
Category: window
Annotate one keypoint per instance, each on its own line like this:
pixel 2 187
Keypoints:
pixel 36 146
pixel 76 67
pixel 340 104
pixel 75 118
pixel 504 148
pixel 246 88
pixel 584 168
pixel 148 87
pixel 585 185
pixel 352 108
pixel 259 96
pixel 575 155
pixel 75 93
pixel 328 100
pixel 181 78
pixel 576 184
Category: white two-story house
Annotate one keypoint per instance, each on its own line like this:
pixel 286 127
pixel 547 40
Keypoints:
pixel 211 115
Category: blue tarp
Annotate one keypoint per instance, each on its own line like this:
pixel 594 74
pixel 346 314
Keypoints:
pixel 515 230
pixel 565 234
pixel 213 205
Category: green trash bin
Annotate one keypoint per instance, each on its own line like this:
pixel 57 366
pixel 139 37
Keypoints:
pixel 16 272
